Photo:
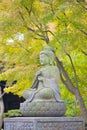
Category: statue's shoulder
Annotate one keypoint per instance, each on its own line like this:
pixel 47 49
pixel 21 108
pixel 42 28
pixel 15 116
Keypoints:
pixel 55 69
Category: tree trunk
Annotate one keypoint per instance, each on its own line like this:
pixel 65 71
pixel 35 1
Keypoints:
pixel 1 110
pixel 82 105
pixel 74 90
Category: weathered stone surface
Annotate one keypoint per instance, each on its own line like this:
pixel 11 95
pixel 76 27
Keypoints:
pixel 43 108
pixel 43 98
pixel 44 123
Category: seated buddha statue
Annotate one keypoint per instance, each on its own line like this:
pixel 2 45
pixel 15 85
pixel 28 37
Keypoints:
pixel 46 82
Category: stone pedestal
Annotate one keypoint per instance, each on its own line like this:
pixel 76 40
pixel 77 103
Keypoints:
pixel 43 109
pixel 44 123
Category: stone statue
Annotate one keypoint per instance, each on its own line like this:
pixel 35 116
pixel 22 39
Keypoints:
pixel 45 87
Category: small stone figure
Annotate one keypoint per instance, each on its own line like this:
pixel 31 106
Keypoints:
pixel 45 87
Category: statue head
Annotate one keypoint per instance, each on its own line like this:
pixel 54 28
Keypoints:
pixel 47 56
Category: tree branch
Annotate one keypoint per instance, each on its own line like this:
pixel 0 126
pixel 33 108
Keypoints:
pixel 74 70
pixel 85 33
pixel 51 5
pixel 81 5
pixel 23 47
pixel 29 10
pixel 68 83
pixel 84 53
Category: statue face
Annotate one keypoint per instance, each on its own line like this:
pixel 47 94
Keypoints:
pixel 44 60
